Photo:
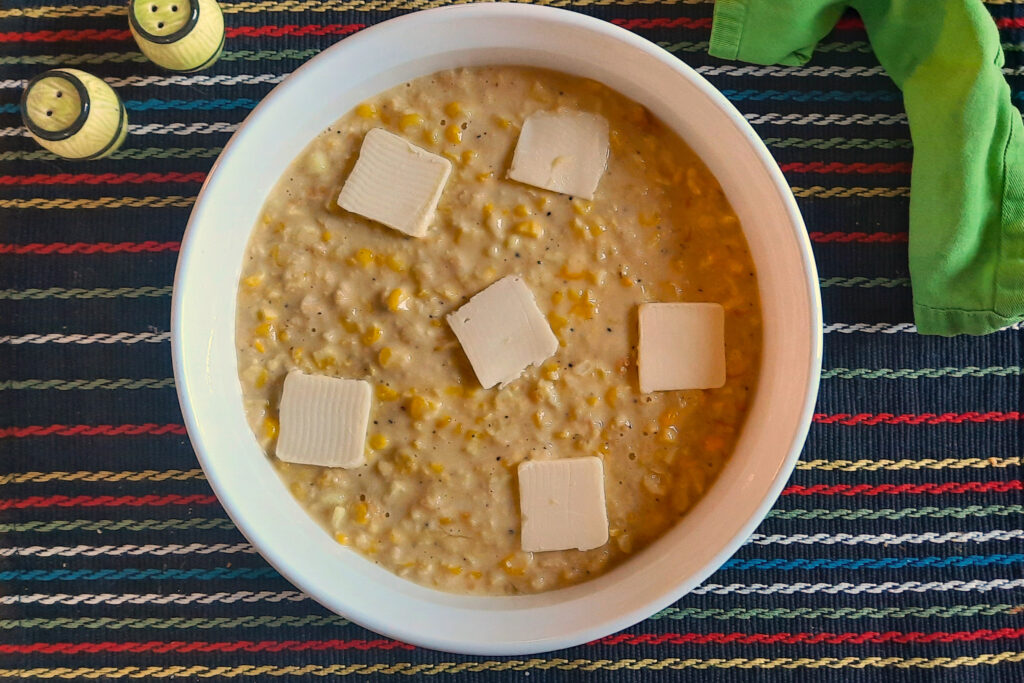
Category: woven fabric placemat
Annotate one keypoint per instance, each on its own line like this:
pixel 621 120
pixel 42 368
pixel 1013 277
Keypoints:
pixel 895 548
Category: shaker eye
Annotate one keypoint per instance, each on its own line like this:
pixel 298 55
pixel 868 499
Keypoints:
pixel 60 94
pixel 152 8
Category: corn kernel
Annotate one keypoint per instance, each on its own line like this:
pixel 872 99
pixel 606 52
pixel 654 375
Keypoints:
pixel 266 314
pixel 669 418
pixel 488 209
pixel 270 427
pixel 454 570
pixel 410 121
pixel 298 490
pixel 349 325
pixel 541 202
pixel 567 274
pixel 443 421
pixel 367 110
pixel 437 467
pixel 258 345
pixel 538 419
pixel 468 156
pixel 261 378
pixel 420 407
pixel 326 236
pixel 263 330
pixel 453 109
pixel 550 371
pixel 481 177
pixel 341 538
pixel 431 136
pixel 669 435
pixel 361 513
pixel 372 335
pixel 648 220
pixel 253 280
pixel 522 210
pixel 395 263
pixel 282 335
pixel 384 357
pixel 557 322
pixel 529 228
pixel 324 359
pixel 611 397
pixel 511 567
pixel 378 442
pixel 297 353
pixel 626 281
pixel 386 393
pixel 398 300
pixel 502 121
pixel 475 574
pixel 592 400
pixel 364 257
pixel 453 134
pixel 582 207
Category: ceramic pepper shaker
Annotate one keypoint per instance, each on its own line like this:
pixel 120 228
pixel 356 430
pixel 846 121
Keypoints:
pixel 179 35
pixel 74 114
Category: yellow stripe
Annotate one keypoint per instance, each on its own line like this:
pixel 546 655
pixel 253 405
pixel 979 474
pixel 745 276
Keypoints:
pixel 841 192
pixel 408 668
pixel 101 475
pixel 62 11
pixel 906 464
pixel 99 203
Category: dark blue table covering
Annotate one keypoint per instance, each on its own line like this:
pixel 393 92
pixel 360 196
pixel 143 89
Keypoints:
pixel 895 549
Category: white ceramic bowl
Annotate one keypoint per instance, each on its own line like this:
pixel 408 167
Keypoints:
pixel 203 325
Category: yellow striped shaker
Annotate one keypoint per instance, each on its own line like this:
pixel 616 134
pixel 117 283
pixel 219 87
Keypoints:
pixel 179 35
pixel 74 114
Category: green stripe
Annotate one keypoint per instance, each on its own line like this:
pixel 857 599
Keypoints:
pixel 87 384
pixel 76 293
pixel 902 513
pixel 109 623
pixel 129 153
pixel 66 59
pixel 868 282
pixel 918 373
pixel 893 612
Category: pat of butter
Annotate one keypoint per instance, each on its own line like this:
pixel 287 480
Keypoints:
pixel 682 346
pixel 395 183
pixel 503 332
pixel 562 504
pixel 564 152
pixel 323 420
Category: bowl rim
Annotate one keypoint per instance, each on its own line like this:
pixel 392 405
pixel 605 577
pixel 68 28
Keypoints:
pixel 278 558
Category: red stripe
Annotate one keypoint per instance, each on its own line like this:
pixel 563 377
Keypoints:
pixel 914 418
pixel 105 501
pixel 89 247
pixel 163 647
pixel 865 638
pixel 94 35
pixel 842 169
pixel 1010 22
pixel 862 237
pixel 896 489
pixel 90 430
pixel 102 178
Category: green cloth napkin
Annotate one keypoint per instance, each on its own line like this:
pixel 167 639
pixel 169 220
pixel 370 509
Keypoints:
pixel 967 201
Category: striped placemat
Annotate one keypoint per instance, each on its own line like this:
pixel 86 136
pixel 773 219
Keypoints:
pixel 896 547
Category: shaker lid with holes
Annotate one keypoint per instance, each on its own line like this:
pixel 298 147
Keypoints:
pixel 73 114
pixel 178 35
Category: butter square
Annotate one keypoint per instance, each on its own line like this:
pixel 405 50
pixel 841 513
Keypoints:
pixel 395 183
pixel 564 152
pixel 503 332
pixel 682 346
pixel 323 420
pixel 562 504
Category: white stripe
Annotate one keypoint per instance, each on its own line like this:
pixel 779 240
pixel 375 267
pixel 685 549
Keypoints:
pixel 203 80
pixel 152 598
pixel 887 539
pixel 154 129
pixel 886 328
pixel 100 338
pixel 95 550
pixel 787 71
pixel 826 119
pixel 857 588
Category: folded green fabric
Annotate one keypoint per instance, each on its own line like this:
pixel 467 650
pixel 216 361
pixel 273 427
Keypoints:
pixel 967 198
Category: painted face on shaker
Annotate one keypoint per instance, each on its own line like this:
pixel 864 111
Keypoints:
pixel 54 103
pixel 162 17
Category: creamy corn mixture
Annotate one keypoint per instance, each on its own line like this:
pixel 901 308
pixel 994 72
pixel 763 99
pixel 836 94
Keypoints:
pixel 329 292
